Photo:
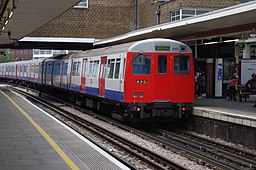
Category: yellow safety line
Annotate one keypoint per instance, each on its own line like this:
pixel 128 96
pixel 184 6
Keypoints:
pixel 45 135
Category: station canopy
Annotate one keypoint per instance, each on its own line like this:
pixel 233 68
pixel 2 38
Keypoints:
pixel 235 22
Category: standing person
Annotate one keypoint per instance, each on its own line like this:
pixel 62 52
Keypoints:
pixel 233 87
pixel 201 83
pixel 196 78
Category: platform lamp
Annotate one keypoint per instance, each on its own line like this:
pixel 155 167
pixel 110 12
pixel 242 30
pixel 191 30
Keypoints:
pixel 253 33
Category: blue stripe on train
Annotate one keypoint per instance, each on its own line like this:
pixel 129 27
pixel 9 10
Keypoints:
pixel 109 94
pixel 114 95
pixel 76 88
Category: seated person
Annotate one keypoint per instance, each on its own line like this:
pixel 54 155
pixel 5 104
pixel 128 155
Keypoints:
pixel 251 84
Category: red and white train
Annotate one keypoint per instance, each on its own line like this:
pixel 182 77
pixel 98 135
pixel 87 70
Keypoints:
pixel 151 79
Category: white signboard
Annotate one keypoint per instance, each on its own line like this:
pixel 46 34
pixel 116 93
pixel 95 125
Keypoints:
pixel 248 67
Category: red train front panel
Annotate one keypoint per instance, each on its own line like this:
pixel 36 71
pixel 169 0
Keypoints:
pixel 161 80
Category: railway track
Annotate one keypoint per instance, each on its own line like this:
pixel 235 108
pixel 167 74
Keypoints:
pixel 227 157
pixel 151 159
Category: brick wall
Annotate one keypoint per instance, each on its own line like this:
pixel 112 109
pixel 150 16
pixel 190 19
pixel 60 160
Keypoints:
pixel 108 18
pixel 216 4
pixel 103 19
pixel 146 13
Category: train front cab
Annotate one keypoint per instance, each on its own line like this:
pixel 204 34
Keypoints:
pixel 160 84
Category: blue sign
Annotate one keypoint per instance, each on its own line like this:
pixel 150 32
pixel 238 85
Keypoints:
pixel 219 71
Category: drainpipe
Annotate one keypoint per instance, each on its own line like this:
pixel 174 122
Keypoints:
pixel 135 14
pixel 158 12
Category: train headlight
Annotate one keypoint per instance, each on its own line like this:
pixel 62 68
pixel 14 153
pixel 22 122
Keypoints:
pixel 141 94
pixel 135 94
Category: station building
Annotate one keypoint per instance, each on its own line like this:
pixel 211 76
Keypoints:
pixel 218 53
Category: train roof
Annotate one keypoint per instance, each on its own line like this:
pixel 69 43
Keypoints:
pixel 148 45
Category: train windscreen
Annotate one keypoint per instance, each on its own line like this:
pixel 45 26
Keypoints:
pixel 141 64
pixel 181 64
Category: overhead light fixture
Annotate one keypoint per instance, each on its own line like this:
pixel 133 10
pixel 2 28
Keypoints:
pixel 253 34
pixel 7 13
pixel 214 42
pixel 6 22
pixel 234 40
pixel 10 15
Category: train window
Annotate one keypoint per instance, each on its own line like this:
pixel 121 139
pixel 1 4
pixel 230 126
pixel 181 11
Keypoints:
pixel 141 64
pixel 75 69
pixel 181 64
pixel 95 68
pixel 162 64
pixel 117 68
pixel 65 71
pixel 77 65
pixel 124 66
pixel 25 68
pixel 89 73
pixel 56 70
pixel 110 68
pixel 31 68
pixel 49 68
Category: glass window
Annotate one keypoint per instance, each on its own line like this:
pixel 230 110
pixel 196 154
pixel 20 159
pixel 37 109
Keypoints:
pixel 25 68
pixel 188 12
pixel 110 68
pixel 244 1
pixel 78 68
pixel 185 13
pixel 36 68
pixel 75 69
pixel 95 68
pixel 124 66
pixel 89 72
pixel 181 64
pixel 82 4
pixel 117 68
pixel 198 12
pixel 162 64
pixel 36 51
pixel 141 64
pixel 175 15
pixel 49 68
pixel 65 72
pixel 56 70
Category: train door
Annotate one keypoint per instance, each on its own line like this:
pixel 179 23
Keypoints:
pixel 16 71
pixel 83 79
pixel 161 77
pixel 62 73
pixel 70 76
pixel 102 76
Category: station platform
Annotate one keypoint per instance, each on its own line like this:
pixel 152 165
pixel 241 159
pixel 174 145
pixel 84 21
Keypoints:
pixel 237 112
pixel 32 139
